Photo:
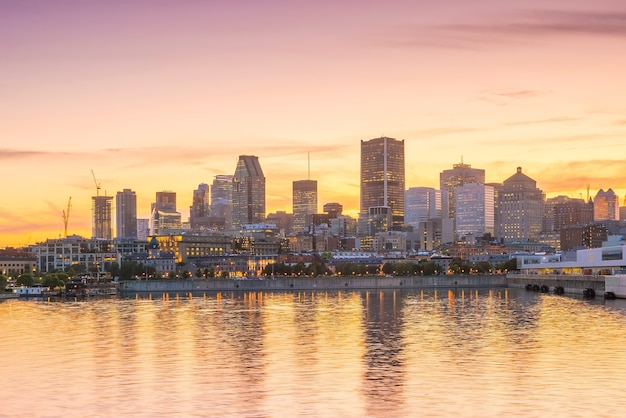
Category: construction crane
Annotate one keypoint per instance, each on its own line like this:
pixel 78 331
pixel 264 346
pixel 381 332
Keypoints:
pixel 66 216
pixel 97 184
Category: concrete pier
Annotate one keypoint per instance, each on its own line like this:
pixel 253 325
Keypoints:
pixel 314 283
pixel 571 284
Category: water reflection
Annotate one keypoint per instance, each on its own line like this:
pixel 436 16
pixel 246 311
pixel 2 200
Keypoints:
pixel 392 353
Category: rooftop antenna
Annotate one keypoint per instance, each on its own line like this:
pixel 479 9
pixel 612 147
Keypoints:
pixel 308 176
pixel 588 185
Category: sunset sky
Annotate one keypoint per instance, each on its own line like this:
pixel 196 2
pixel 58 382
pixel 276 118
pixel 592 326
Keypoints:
pixel 165 94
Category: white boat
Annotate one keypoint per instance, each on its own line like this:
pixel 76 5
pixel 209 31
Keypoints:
pixel 34 290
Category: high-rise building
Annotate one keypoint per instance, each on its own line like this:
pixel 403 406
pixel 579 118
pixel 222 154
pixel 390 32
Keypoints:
pixel 333 209
pixel 164 218
pixel 101 211
pixel 222 199
pixel 420 205
pixel 459 175
pixel 126 214
pixel 248 192
pixel 382 177
pixel 520 204
pixel 199 209
pixel 606 206
pixel 165 201
pixel 474 210
pixel 304 203
pixel 143 229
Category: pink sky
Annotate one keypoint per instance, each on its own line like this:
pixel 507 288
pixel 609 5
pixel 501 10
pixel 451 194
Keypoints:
pixel 164 95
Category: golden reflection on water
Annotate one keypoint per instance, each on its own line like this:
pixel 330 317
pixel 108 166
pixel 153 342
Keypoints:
pixel 354 354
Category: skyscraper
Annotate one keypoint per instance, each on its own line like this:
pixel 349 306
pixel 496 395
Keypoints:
pixel 459 175
pixel 248 191
pixel 382 177
pixel 474 210
pixel 420 205
pixel 165 201
pixel 199 209
pixel 606 206
pixel 222 199
pixel 126 214
pixel 164 216
pixel 521 208
pixel 304 203
pixel 101 210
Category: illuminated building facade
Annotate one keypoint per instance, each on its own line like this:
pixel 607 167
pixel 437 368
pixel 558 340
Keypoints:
pixel 304 203
pixel 101 211
pixel 248 192
pixel 606 206
pixel 459 175
pixel 520 204
pixel 382 177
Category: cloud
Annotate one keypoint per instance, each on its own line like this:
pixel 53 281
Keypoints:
pixel 576 175
pixel 542 121
pixel 522 27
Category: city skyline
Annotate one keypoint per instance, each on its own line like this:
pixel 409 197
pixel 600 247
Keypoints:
pixel 166 97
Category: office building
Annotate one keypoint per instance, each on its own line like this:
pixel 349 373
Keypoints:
pixel 101 216
pixel 304 203
pixel 199 209
pixel 126 214
pixel 520 204
pixel 606 206
pixel 164 218
pixel 420 205
pixel 474 211
pixel 248 192
pixel 165 201
pixel 382 178
pixel 459 175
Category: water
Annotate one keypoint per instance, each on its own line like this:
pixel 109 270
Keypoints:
pixel 359 354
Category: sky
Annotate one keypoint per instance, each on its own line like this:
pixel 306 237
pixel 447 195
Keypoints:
pixel 166 94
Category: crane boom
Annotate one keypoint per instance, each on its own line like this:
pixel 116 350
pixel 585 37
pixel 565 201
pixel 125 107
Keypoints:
pixel 66 216
pixel 96 182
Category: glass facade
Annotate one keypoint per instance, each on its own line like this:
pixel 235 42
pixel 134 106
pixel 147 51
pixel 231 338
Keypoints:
pixel 459 175
pixel 126 214
pixel 304 203
pixel 382 176
pixel 248 191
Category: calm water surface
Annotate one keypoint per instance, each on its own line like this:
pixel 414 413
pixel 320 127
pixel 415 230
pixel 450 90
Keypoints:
pixel 359 354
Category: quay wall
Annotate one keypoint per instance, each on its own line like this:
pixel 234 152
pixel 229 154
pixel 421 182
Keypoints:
pixel 314 283
pixel 573 284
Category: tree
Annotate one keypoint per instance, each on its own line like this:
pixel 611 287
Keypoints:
pixel 3 282
pixel 113 268
pixel 388 268
pixel 52 280
pixel 25 279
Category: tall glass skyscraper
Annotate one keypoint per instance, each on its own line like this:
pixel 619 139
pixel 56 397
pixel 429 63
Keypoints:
pixel 304 203
pixel 420 205
pixel 459 175
pixel 382 177
pixel 248 191
pixel 474 210
pixel 126 214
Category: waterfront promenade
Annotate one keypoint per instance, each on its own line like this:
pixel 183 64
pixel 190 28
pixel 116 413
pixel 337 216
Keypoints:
pixel 570 284
pixel 310 284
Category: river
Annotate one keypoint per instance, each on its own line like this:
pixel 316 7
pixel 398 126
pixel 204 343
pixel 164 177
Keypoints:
pixel 421 353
